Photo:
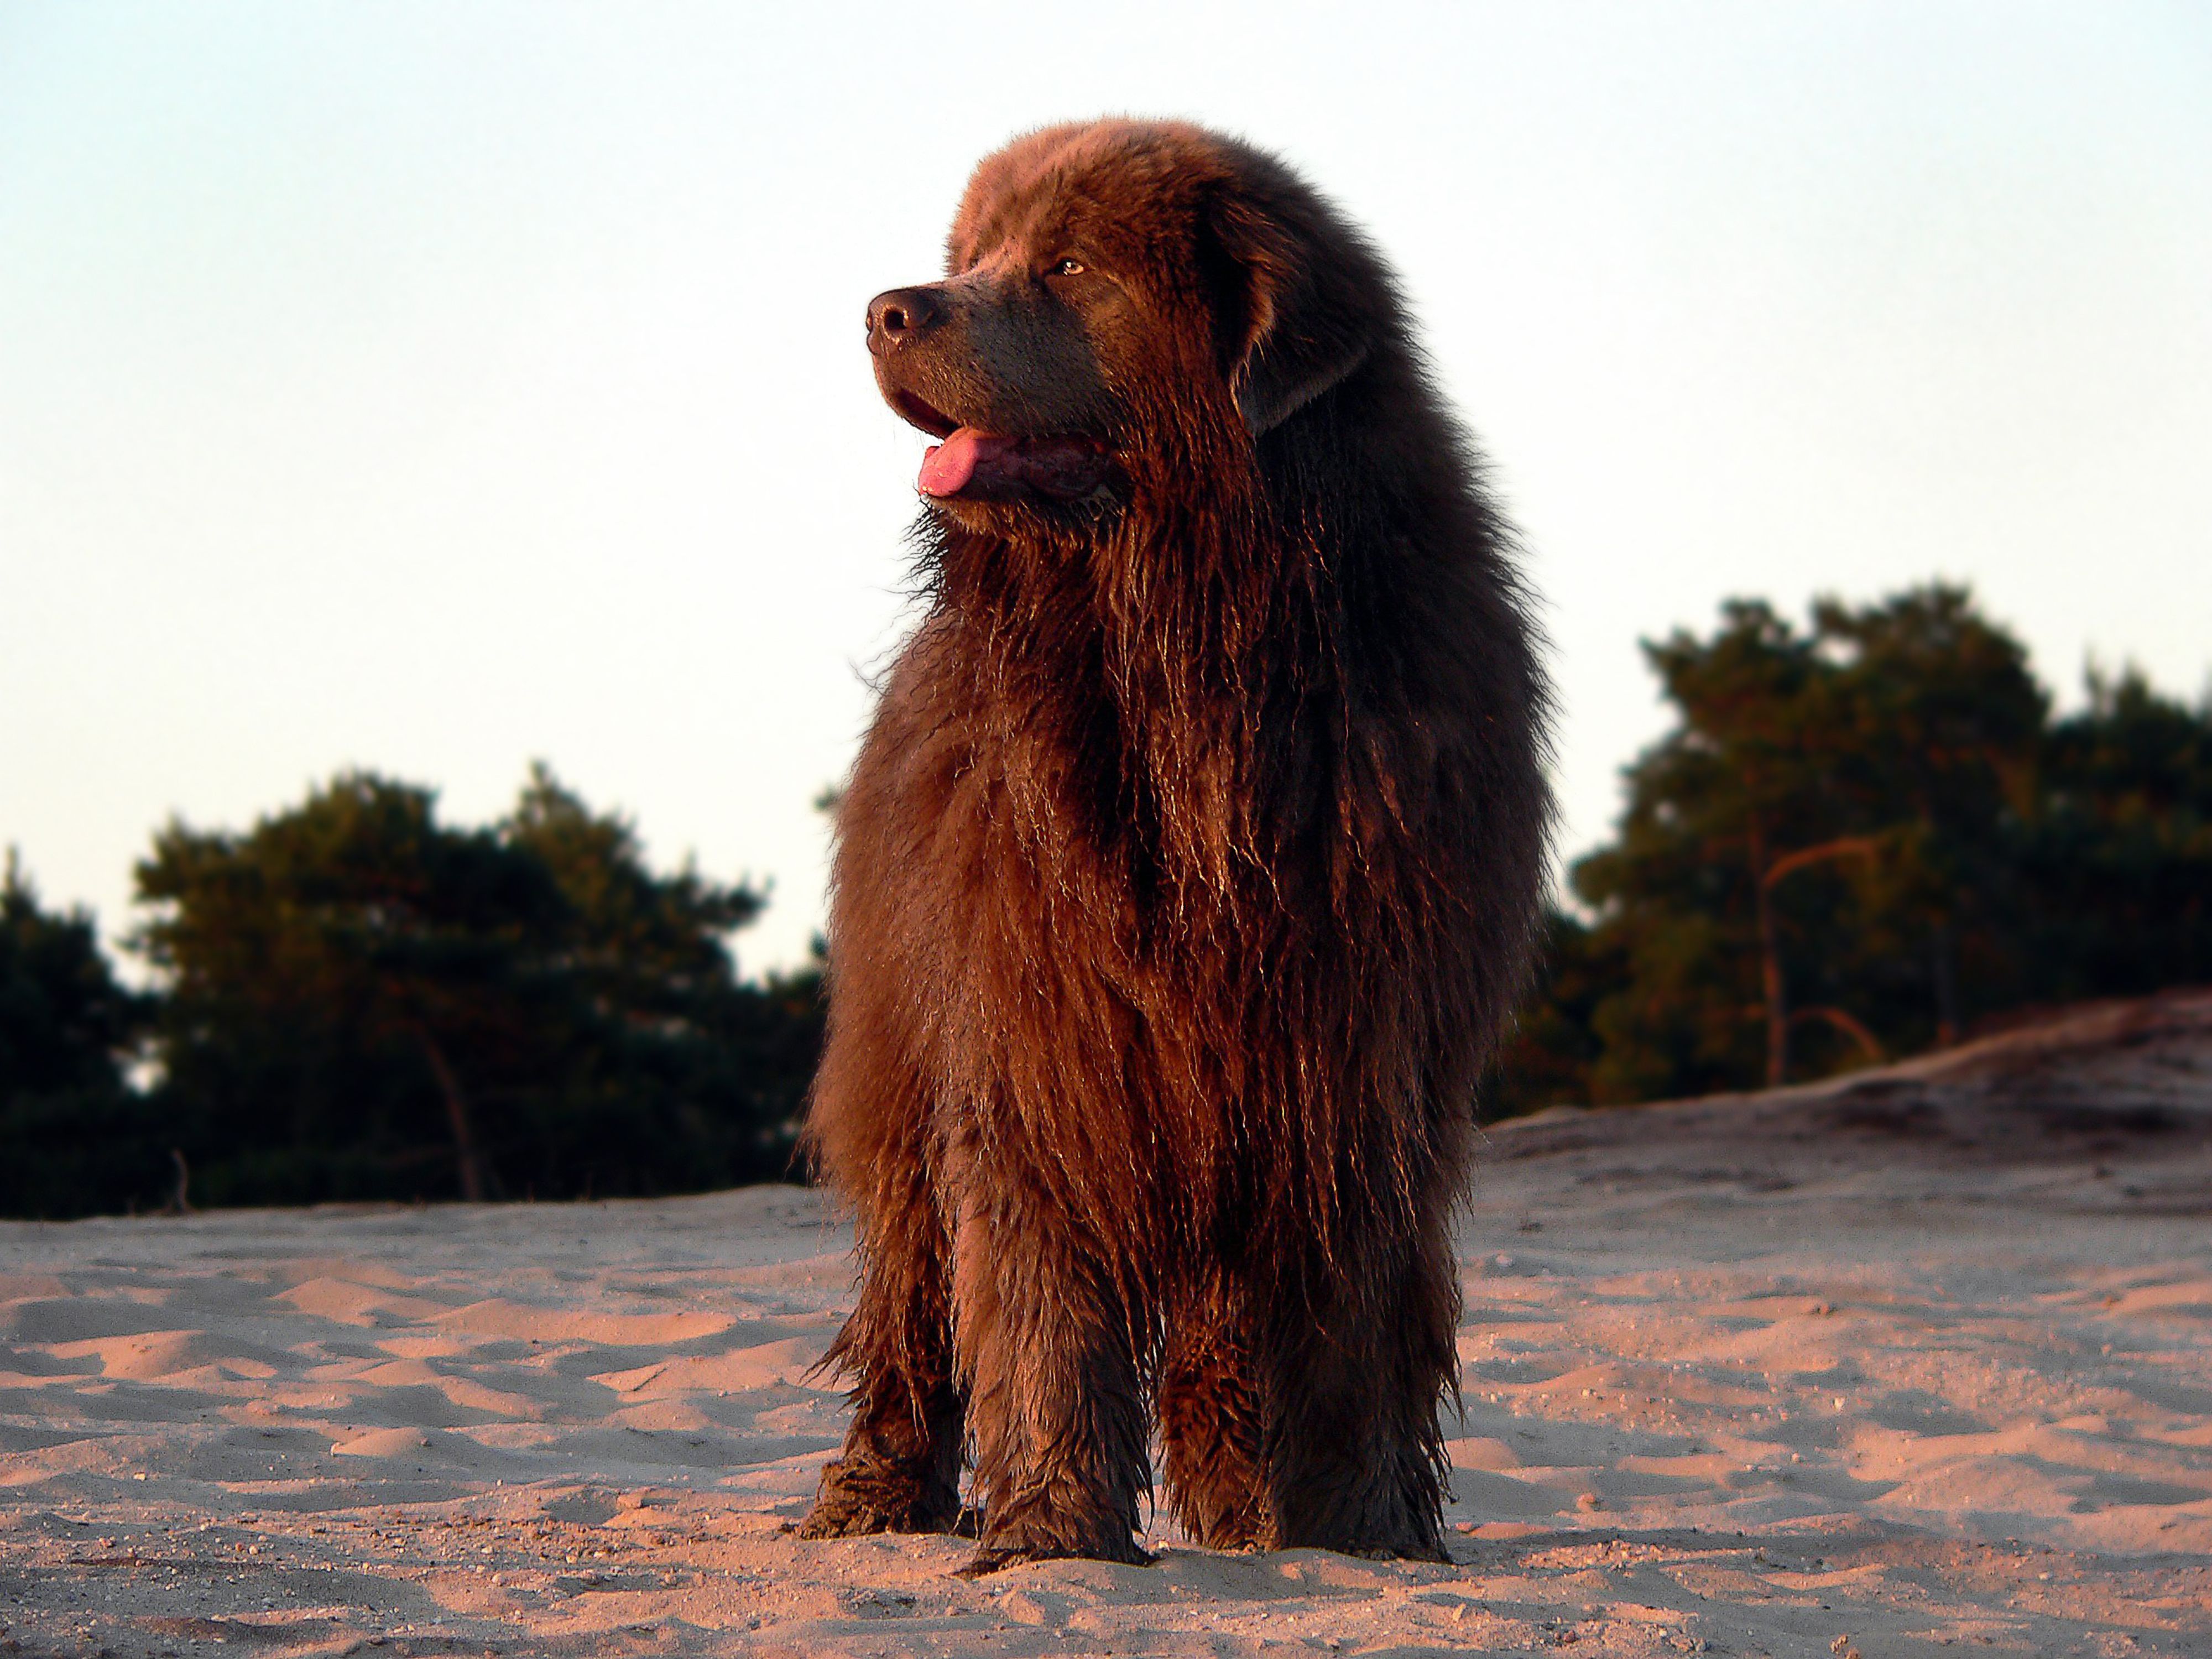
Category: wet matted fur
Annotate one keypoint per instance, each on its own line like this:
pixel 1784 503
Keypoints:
pixel 1186 876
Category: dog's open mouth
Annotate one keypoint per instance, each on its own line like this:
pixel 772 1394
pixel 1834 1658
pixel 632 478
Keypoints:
pixel 972 464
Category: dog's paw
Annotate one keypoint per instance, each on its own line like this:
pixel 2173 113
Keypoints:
pixel 833 1517
pixel 997 1558
pixel 859 1498
pixel 984 1563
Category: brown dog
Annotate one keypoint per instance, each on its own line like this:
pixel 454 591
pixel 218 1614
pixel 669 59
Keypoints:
pixel 1184 880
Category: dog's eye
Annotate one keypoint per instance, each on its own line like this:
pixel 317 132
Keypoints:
pixel 1066 268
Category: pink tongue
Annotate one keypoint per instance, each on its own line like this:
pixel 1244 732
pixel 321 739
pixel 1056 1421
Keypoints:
pixel 946 469
pixel 991 466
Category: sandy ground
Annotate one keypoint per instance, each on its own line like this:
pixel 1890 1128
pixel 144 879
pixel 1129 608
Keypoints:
pixel 1918 1362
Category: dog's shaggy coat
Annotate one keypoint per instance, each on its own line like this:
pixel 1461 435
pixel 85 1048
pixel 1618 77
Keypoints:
pixel 1184 880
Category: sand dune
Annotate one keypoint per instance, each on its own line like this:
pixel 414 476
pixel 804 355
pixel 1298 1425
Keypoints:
pixel 1916 1361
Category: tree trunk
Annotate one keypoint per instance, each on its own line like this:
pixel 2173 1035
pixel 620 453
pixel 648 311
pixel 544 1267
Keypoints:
pixel 1764 876
pixel 457 1114
pixel 1946 987
pixel 1770 965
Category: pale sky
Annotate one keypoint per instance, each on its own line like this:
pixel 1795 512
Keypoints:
pixel 429 388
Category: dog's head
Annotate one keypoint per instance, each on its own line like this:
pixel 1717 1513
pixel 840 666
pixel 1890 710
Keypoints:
pixel 1122 296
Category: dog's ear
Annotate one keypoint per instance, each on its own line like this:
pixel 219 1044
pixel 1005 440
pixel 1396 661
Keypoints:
pixel 1290 324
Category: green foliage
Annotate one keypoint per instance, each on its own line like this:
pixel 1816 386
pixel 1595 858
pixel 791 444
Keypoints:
pixel 362 1002
pixel 76 1138
pixel 1859 839
pixel 2119 859
pixel 1548 1056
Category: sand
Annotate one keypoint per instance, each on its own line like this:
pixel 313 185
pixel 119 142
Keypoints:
pixel 1917 1362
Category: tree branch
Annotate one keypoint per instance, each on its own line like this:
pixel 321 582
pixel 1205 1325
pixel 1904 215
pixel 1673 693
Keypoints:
pixel 1851 1028
pixel 1842 847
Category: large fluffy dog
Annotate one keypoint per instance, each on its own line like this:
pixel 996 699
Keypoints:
pixel 1185 878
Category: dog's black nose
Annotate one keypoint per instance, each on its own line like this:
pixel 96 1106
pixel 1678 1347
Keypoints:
pixel 899 315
